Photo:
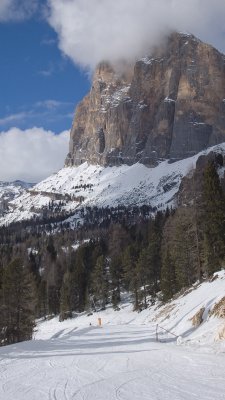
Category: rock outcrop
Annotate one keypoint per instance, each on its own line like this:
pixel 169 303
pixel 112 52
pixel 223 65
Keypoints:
pixel 168 105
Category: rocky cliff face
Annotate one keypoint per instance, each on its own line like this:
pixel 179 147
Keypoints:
pixel 168 105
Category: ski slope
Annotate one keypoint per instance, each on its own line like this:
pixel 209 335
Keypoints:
pixel 77 360
pixel 121 362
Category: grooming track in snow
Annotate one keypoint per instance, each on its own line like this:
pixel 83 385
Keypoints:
pixel 109 363
pixel 73 360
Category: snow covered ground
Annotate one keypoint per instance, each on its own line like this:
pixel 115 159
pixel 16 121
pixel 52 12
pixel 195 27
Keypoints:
pixel 122 359
pixel 94 185
pixel 113 362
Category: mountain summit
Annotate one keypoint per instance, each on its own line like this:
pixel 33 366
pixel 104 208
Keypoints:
pixel 170 105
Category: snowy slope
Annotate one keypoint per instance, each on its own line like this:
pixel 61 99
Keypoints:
pixel 74 360
pixel 91 185
pixel 10 190
pixel 175 316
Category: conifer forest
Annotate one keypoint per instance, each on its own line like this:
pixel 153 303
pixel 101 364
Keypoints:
pixel 50 269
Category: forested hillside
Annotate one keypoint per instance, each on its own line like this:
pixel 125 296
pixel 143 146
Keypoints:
pixel 47 269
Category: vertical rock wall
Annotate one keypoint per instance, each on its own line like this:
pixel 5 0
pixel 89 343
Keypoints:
pixel 168 105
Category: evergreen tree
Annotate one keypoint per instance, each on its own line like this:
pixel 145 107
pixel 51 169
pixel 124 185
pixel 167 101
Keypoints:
pixel 118 240
pixel 168 277
pixel 42 300
pixel 214 219
pixel 184 245
pixel 99 283
pixel 66 297
pixel 148 269
pixel 115 273
pixel 131 275
pixel 143 275
pixel 179 237
pixel 18 305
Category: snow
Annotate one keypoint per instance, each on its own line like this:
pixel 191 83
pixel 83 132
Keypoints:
pixel 95 185
pixel 31 250
pixel 75 246
pixel 142 105
pixel 113 362
pixel 111 99
pixel 169 100
pixel 175 316
pixel 11 190
pixel 147 60
pixel 122 359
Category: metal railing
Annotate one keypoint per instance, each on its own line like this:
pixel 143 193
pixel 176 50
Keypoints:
pixel 165 330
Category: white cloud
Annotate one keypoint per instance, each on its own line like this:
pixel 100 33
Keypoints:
pixel 51 104
pixel 49 110
pixel 14 10
pixel 48 71
pixel 32 154
pixel 90 31
pixel 13 118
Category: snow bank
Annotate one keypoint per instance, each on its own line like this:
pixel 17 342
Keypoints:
pixel 175 317
pixel 122 359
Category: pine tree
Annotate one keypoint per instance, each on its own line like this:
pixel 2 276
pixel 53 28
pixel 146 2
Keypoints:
pixel 131 275
pixel 99 283
pixel 42 300
pixel 118 239
pixel 168 277
pixel 66 297
pixel 116 274
pixel 18 298
pixel 214 219
pixel 143 267
pixel 184 248
pixel 184 245
pixel 148 269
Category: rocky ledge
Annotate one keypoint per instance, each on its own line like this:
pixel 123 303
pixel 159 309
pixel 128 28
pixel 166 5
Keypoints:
pixel 170 104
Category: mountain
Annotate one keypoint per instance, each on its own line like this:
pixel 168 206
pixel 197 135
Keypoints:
pixel 9 191
pixel 85 237
pixel 136 135
pixel 74 188
pixel 168 105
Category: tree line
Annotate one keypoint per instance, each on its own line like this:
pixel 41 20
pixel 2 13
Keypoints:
pixel 151 258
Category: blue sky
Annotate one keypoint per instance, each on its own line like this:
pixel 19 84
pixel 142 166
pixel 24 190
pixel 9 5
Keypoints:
pixel 39 89
pixel 38 85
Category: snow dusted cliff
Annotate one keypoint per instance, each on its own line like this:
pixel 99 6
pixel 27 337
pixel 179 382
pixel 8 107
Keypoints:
pixel 169 104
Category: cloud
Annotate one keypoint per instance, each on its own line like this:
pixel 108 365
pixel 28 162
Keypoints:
pixel 15 10
pixel 48 42
pixel 31 154
pixel 47 72
pixel 90 31
pixel 13 118
pixel 52 104
pixel 50 110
